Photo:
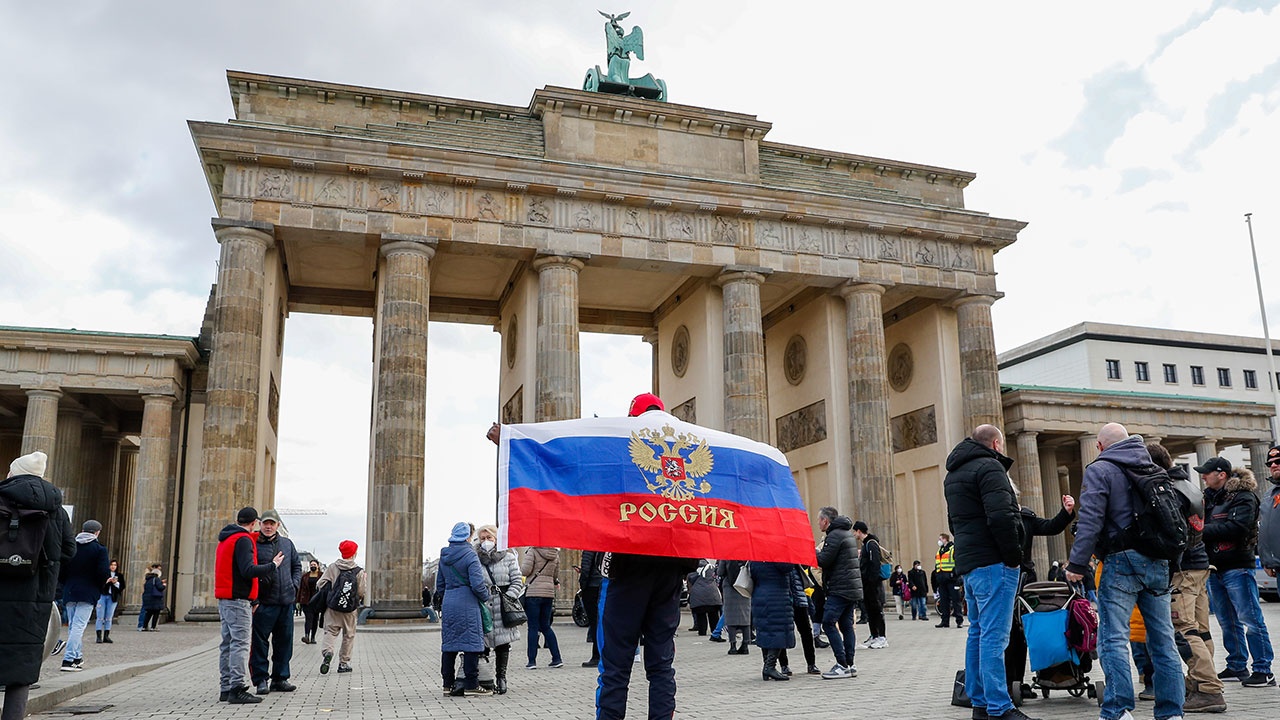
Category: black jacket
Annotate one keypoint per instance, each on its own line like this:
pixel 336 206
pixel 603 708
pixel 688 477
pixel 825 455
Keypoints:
pixel 1035 526
pixel 589 575
pixel 1231 522
pixel 982 511
pixel 869 559
pixel 918 582
pixel 26 603
pixel 1195 557
pixel 281 586
pixel 838 559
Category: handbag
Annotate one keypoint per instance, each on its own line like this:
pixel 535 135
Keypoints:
pixel 744 584
pixel 1046 634
pixel 513 614
pixel 959 696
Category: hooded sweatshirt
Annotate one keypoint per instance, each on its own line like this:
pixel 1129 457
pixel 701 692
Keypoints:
pixel 1269 528
pixel 331 575
pixel 85 573
pixel 1106 501
pixel 1231 522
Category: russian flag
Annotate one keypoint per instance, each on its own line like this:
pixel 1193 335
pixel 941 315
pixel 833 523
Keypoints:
pixel 649 485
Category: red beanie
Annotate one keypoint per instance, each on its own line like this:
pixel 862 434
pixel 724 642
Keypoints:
pixel 348 549
pixel 643 402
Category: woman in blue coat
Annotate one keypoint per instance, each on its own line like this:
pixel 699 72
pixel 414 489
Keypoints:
pixel 463 582
pixel 776 592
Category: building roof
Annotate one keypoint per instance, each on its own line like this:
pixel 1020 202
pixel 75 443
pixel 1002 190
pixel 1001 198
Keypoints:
pixel 1134 335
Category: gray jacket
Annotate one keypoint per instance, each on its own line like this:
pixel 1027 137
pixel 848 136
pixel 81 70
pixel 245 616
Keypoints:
pixel 1269 528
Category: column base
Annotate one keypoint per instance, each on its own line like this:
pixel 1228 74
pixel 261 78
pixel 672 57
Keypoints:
pixel 202 614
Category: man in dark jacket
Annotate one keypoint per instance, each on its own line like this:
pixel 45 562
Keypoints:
pixel 589 580
pixel 1190 599
pixel 1231 538
pixel 82 579
pixel 919 584
pixel 1129 577
pixel 236 574
pixel 870 556
pixel 26 603
pixel 273 618
pixel 842 586
pixel 983 515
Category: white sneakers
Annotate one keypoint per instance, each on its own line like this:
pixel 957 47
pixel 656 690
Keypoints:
pixel 875 643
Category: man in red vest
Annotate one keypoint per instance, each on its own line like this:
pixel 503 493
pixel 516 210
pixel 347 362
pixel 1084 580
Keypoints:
pixel 236 573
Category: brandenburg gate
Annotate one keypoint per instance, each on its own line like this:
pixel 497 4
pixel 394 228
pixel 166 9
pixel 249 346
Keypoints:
pixel 835 305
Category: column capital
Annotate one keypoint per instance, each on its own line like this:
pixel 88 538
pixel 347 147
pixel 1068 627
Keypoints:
pixel 262 232
pixel 650 337
pixel 152 398
pixel 53 393
pixel 742 273
pixel 978 298
pixel 573 260
pixel 854 287
pixel 398 243
pixel 1028 433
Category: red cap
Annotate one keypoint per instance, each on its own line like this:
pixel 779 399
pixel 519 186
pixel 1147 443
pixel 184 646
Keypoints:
pixel 643 402
pixel 348 549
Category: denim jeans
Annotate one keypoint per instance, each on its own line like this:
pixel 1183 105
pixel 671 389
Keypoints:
pixel 837 623
pixel 78 614
pixel 106 608
pixel 1130 578
pixel 719 631
pixel 989 591
pixel 919 608
pixel 271 647
pixel 1233 597
pixel 233 653
pixel 539 611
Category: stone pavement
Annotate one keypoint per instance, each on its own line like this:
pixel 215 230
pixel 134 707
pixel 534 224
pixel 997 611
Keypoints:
pixel 397 676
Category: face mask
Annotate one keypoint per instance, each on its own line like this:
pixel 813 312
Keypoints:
pixel 488 546
pixel 941 543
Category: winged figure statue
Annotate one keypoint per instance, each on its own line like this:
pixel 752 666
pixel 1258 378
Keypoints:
pixel 617 78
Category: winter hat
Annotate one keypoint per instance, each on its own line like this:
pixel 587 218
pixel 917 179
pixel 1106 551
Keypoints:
pixel 460 532
pixel 347 548
pixel 642 402
pixel 32 464
pixel 91 526
pixel 246 515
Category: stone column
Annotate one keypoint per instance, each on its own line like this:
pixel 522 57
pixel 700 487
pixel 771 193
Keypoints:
pixel 93 480
pixel 1258 463
pixel 150 490
pixel 557 365
pixel 40 426
pixel 1056 545
pixel 64 468
pixel 394 552
pixel 869 412
pixel 746 394
pixel 230 455
pixel 557 358
pixel 1206 448
pixel 1032 493
pixel 1088 449
pixel 651 337
pixel 979 376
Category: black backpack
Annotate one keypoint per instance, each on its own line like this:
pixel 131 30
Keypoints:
pixel 21 539
pixel 1159 526
pixel 344 596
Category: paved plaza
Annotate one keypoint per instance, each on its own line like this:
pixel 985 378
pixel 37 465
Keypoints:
pixel 397 676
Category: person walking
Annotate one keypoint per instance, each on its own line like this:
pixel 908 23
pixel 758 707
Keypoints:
pixel 704 597
pixel 1128 578
pixel 462 580
pixel 272 646
pixel 313 618
pixel 236 574
pixel 983 514
pixel 85 575
pixel 152 569
pixel 1231 538
pixel 503 573
pixel 842 589
pixel 107 601
pixel 26 598
pixel 736 607
pixel 776 591
pixel 153 594
pixel 870 557
pixel 541 565
pixel 946 583
pixel 589 580
pixel 348 588
pixel 918 583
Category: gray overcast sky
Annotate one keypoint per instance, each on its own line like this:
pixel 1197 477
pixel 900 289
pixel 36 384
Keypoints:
pixel 1132 136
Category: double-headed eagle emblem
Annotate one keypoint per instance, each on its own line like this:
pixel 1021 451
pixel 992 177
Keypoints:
pixel 674 459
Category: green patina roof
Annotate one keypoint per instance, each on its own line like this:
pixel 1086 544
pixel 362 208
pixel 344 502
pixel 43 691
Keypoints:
pixel 98 333
pixel 1124 393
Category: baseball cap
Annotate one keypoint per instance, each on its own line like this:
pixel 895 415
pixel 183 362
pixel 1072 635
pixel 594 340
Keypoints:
pixel 246 515
pixel 642 402
pixel 1216 464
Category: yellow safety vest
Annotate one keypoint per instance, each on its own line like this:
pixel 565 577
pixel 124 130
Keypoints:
pixel 945 560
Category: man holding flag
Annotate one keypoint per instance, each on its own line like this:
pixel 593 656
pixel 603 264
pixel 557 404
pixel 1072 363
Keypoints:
pixel 658 493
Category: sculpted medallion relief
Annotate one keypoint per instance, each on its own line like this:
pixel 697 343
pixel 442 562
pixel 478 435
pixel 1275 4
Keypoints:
pixel 512 326
pixel 914 429
pixel 805 426
pixel 901 367
pixel 680 351
pixel 794 359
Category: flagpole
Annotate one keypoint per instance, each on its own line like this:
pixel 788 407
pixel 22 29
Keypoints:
pixel 1266 332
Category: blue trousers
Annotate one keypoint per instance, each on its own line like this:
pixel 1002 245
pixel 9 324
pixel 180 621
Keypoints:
pixel 272 626
pixel 539 611
pixel 990 596
pixel 1131 579
pixel 1233 597
pixel 643 602
pixel 837 623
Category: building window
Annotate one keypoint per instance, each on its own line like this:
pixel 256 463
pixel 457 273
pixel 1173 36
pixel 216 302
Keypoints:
pixel 1224 377
pixel 1251 379
pixel 1197 375
pixel 1142 371
pixel 1113 369
pixel 1171 374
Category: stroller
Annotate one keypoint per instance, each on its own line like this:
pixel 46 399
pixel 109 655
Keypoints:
pixel 1043 611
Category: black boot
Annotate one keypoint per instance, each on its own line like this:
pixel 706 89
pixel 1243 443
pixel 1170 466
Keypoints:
pixel 770 671
pixel 99 640
pixel 500 669
pixel 106 637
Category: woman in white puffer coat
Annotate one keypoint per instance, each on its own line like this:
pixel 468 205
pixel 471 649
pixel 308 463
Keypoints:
pixel 502 570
